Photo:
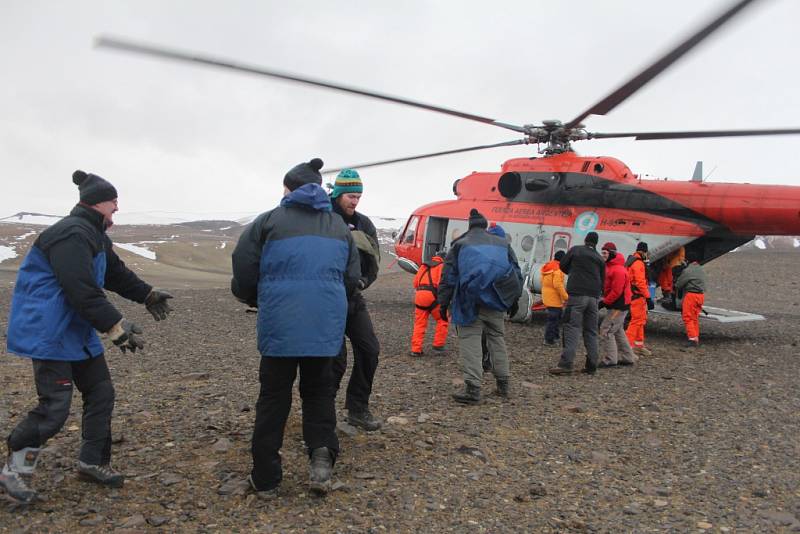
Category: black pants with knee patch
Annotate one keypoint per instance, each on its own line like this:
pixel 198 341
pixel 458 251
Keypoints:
pixel 54 380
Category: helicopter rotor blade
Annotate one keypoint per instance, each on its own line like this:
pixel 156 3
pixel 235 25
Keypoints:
pixel 650 136
pixel 163 52
pixel 637 82
pixel 423 156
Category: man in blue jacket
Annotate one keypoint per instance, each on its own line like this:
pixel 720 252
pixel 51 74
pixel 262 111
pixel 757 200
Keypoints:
pixel 57 307
pixel 297 264
pixel 480 281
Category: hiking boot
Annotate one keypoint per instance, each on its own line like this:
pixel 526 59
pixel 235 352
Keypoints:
pixel 15 487
pixel 502 387
pixel 589 370
pixel 471 395
pixel 439 349
pixel 104 475
pixel 559 371
pixel 262 494
pixel 415 353
pixel 321 468
pixel 549 343
pixel 363 419
pixel 691 344
pixel 623 363
pixel 606 365
pixel 642 351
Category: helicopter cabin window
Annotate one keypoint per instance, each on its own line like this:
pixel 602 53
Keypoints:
pixel 579 181
pixel 411 230
pixel 560 242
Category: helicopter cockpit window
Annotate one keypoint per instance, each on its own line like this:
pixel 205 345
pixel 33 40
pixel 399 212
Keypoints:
pixel 411 230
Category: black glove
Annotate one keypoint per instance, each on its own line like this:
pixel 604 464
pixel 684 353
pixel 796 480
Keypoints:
pixel 156 304
pixel 126 335
pixel 362 284
pixel 650 304
pixel 601 305
pixel 443 313
pixel 512 311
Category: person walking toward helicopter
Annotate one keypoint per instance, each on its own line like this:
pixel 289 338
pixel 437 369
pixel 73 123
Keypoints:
pixel 481 280
pixel 59 305
pixel 426 304
pixel 614 345
pixel 554 297
pixel 586 270
pixel 691 285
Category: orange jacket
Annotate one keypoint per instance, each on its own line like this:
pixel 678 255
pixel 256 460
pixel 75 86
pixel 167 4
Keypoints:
pixel 637 274
pixel 426 282
pixel 553 293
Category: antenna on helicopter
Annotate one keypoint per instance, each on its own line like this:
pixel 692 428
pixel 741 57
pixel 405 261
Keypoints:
pixel 697 176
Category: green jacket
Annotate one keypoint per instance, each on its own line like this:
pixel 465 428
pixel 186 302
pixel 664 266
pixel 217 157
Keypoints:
pixel 691 280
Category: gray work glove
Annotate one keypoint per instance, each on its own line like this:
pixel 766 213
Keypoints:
pixel 156 304
pixel 126 335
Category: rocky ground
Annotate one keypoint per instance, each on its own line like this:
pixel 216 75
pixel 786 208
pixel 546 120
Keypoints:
pixel 700 441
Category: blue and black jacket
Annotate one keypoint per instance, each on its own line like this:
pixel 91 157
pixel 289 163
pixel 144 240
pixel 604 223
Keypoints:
pixel 298 264
pixel 476 273
pixel 59 302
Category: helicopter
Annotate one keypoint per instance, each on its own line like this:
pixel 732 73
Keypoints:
pixel 550 201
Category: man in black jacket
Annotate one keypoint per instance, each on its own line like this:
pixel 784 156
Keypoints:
pixel 366 348
pixel 57 307
pixel 586 270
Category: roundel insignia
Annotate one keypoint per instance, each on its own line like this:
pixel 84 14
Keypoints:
pixel 586 222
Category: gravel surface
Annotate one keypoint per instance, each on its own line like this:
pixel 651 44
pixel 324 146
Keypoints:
pixel 683 441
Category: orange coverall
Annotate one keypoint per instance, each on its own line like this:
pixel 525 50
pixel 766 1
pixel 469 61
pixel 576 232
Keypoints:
pixel 665 280
pixel 426 282
pixel 641 292
pixel 692 306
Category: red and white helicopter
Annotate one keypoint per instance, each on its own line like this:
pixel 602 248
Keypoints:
pixel 549 202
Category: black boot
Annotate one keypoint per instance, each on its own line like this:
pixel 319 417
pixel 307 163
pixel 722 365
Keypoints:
pixel 321 468
pixel 502 387
pixel 363 419
pixel 471 395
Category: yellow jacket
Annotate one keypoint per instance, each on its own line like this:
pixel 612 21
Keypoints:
pixel 553 293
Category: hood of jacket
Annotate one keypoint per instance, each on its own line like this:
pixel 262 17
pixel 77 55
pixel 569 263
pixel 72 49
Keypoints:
pixel 550 267
pixel 308 196
pixel 617 260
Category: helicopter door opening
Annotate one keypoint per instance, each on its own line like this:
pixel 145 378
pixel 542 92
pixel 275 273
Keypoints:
pixel 435 236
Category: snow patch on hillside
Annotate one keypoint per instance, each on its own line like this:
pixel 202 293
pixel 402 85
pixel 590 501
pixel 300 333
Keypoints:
pixel 136 249
pixel 7 253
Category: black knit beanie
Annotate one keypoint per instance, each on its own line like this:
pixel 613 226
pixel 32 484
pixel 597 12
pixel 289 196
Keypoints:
pixel 591 239
pixel 304 173
pixel 476 219
pixel 641 247
pixel 93 189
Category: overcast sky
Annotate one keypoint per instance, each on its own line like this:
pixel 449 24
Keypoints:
pixel 178 137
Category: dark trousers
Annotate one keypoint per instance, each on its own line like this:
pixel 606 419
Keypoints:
pixel 552 325
pixel 580 320
pixel 54 380
pixel 365 356
pixel 272 409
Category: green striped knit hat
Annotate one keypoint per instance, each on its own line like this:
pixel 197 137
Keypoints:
pixel 347 181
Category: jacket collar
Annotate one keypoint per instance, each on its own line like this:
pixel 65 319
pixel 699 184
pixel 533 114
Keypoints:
pixel 92 215
pixel 348 219
pixel 309 196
